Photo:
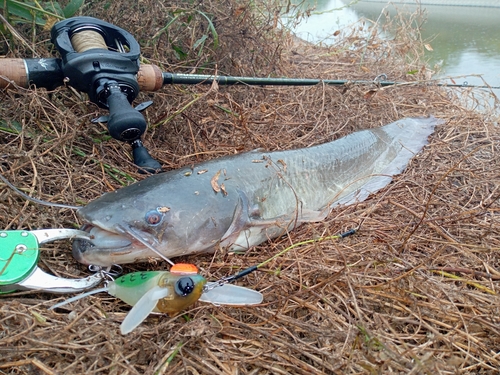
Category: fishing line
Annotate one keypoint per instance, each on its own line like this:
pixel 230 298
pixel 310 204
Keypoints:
pixel 136 235
pixel 249 270
pixel 35 200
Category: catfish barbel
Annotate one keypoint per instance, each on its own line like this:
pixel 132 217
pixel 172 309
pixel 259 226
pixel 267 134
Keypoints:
pixel 240 201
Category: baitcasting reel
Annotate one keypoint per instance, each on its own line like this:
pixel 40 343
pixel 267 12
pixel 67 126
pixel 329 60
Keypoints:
pixel 102 60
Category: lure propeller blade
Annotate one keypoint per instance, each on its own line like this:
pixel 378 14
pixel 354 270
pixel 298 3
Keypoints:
pixel 229 294
pixel 142 309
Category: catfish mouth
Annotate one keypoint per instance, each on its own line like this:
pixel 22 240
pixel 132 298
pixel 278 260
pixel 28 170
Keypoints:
pixel 106 247
pixel 100 241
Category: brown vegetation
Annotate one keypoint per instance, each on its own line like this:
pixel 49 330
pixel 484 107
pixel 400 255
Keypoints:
pixel 415 291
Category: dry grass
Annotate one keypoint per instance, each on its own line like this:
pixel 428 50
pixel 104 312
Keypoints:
pixel 415 291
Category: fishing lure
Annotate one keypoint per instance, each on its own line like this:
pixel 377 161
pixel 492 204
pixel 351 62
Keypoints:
pixel 169 292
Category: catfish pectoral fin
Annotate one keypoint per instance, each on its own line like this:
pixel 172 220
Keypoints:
pixel 246 231
pixel 239 223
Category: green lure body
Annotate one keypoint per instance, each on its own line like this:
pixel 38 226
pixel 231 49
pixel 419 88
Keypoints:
pixel 132 287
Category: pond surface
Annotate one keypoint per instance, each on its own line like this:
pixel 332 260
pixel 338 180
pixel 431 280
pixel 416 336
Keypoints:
pixel 464 40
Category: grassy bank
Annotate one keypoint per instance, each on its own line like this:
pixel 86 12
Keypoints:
pixel 415 291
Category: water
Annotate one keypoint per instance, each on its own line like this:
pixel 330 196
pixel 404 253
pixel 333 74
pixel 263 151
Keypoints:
pixel 464 40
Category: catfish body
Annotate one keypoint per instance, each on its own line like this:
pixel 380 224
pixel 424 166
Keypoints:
pixel 242 200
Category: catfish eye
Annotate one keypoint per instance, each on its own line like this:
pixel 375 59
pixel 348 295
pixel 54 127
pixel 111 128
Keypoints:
pixel 153 217
pixel 184 286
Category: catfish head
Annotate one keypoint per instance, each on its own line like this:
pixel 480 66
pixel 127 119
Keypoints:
pixel 160 217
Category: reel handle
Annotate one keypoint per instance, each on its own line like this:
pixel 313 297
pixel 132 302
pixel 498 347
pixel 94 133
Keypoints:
pixel 143 159
pixel 125 123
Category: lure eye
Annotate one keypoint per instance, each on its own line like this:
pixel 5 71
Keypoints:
pixel 153 217
pixel 184 286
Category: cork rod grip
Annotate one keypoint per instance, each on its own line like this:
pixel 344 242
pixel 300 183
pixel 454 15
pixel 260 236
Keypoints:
pixel 13 71
pixel 149 77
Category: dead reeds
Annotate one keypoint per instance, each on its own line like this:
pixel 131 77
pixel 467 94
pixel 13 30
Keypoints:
pixel 414 291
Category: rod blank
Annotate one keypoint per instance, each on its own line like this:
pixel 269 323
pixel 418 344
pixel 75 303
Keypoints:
pixel 194 79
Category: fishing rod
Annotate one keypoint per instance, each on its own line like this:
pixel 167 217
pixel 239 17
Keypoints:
pixel 381 80
pixel 102 60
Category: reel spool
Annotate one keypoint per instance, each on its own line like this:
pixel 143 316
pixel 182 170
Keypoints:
pixel 102 60
pixel 85 40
